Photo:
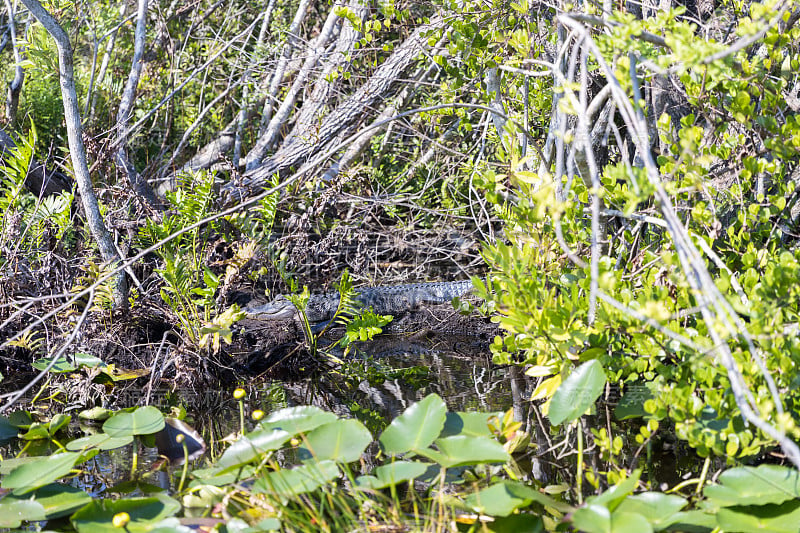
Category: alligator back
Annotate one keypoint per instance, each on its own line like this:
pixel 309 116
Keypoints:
pixel 390 299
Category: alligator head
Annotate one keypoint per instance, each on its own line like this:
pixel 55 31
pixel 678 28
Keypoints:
pixel 278 309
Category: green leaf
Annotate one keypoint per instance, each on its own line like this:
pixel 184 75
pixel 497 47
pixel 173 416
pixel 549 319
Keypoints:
pixel 657 507
pixel 99 414
pixel 300 480
pixel 612 497
pixel 416 428
pixel 749 485
pixel 294 420
pixel 56 500
pixel 69 364
pixel 502 499
pixel 592 519
pixel 252 447
pixel 343 441
pixel 142 421
pixel 519 523
pixel 44 470
pixel 14 511
pixel 577 393
pixel 772 518
pixel 462 450
pixel 7 429
pixel 145 513
pixel 102 441
pixel 472 424
pixel 629 523
pixel 392 474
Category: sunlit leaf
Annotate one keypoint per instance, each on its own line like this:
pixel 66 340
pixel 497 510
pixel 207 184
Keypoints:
pixel 657 507
pixel 56 500
pixel 755 485
pixel 142 421
pixel 462 450
pixel 102 441
pixel 300 419
pixel 416 428
pixel 472 424
pixel 299 480
pixel 343 441
pixel 577 393
pixel 252 447
pixel 772 518
pixel 502 499
pixel 15 511
pixel 144 513
pixel 32 475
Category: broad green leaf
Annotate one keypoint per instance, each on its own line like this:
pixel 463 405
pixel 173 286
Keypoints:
pixel 142 421
pixel 299 480
pixel 343 441
pixel 771 518
pixel 7 429
pixel 502 499
pixel 294 420
pixel 145 513
pixel 577 393
pixel 612 497
pixel 629 523
pixel 15 511
pixel 518 523
pixel 754 485
pixel 592 519
pixel 102 441
pixel 46 430
pixel 462 450
pixel 392 474
pixel 472 424
pixel 69 364
pixel 56 500
pixel 416 428
pixel 252 447
pixel 657 507
pixel 32 475
pixel 96 413
pixel 218 477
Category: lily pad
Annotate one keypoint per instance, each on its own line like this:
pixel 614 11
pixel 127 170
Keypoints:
pixel 472 424
pixel 416 428
pixel 102 441
pixel 252 447
pixel 462 450
pixel 502 499
pixel 44 470
pixel 772 518
pixel 56 500
pixel 142 421
pixel 343 441
pixel 7 429
pixel 294 420
pixel 755 485
pixel 15 511
pixel 300 480
pixel 145 514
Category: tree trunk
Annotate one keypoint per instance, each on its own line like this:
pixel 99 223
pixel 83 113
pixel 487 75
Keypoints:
pixel 77 151
pixel 345 116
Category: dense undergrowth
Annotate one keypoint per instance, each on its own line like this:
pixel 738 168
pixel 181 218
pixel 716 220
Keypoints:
pixel 624 193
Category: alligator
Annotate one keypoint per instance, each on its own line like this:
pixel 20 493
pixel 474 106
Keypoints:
pixel 384 300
